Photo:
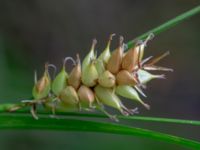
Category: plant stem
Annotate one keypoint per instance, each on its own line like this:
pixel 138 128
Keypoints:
pixel 167 25
pixel 5 107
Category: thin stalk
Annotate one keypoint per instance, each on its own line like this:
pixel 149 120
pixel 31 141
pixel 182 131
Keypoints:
pixel 167 25
pixel 5 107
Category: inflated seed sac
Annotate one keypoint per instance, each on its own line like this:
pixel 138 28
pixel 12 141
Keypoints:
pixel 114 63
pixel 107 79
pixel 86 96
pixel 125 78
pixel 69 96
pixel 145 76
pixel 90 75
pixel 105 55
pixel 130 93
pixel 75 75
pixel 90 56
pixel 60 81
pixel 134 56
pixel 108 97
pixel 129 61
pixel 42 87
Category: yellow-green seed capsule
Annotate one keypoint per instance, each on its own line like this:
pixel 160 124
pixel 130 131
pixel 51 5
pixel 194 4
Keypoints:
pixel 145 76
pixel 86 96
pixel 75 75
pixel 90 75
pixel 130 93
pixel 125 78
pixel 90 56
pixel 69 96
pixel 114 63
pixel 42 87
pixel 107 79
pixel 60 81
pixel 105 55
pixel 107 97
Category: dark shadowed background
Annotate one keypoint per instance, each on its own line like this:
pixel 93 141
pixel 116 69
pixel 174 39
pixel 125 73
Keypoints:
pixel 35 31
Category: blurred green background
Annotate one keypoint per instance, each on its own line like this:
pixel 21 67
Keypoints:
pixel 35 31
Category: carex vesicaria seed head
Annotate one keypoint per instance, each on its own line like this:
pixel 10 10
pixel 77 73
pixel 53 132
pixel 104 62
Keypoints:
pixel 99 81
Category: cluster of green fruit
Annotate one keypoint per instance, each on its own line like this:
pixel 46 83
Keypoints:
pixel 98 81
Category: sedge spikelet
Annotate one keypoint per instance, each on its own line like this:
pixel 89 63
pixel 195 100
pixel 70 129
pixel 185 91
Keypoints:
pixel 97 81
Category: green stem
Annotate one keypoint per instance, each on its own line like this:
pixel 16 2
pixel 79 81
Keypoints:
pixel 27 122
pixel 5 107
pixel 167 25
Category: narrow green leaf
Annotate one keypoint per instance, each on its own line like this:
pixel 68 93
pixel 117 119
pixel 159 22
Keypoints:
pixel 44 123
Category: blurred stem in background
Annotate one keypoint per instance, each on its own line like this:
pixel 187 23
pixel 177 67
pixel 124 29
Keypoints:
pixel 14 76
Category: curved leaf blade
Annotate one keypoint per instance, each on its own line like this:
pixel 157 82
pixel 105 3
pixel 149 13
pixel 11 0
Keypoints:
pixel 27 122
